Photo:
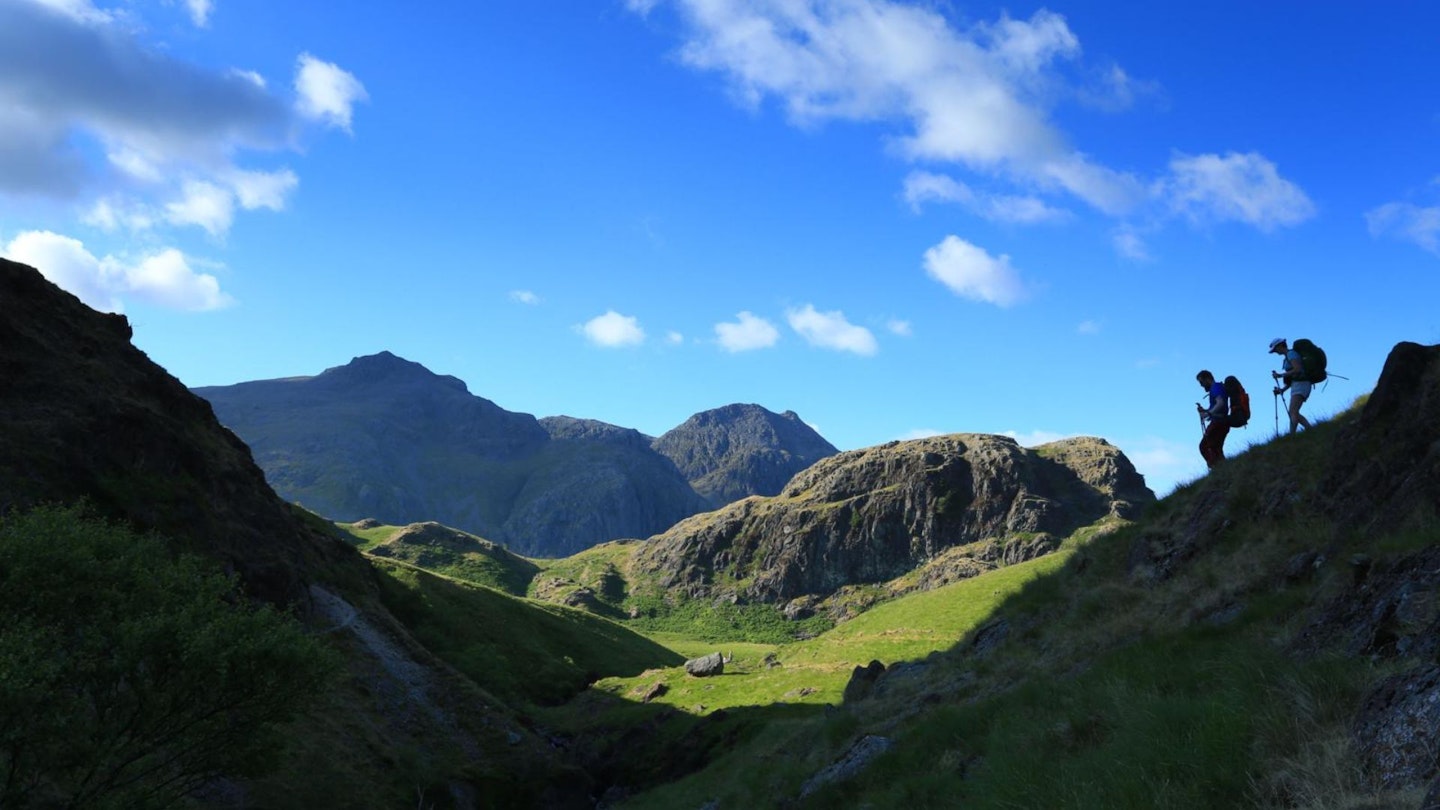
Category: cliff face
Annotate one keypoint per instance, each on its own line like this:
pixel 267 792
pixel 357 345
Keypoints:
pixel 736 451
pixel 872 515
pixel 382 437
pixel 84 414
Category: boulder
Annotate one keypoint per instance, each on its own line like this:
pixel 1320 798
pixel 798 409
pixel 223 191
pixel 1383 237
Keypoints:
pixel 706 665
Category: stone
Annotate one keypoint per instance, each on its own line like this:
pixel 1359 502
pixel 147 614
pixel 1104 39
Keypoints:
pixel 706 665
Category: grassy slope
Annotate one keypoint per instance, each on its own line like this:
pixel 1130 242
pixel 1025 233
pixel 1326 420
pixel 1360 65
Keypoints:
pixel 520 650
pixel 1108 693
pixel 498 569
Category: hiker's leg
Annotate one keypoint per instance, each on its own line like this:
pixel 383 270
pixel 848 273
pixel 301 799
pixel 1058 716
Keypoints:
pixel 1298 394
pixel 1212 445
pixel 1296 402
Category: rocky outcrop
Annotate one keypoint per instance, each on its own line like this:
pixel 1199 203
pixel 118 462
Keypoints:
pixel 736 451
pixel 386 438
pixel 869 516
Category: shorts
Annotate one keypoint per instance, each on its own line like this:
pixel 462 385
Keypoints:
pixel 1301 389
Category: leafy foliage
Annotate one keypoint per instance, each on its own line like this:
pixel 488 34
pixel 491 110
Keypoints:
pixel 129 677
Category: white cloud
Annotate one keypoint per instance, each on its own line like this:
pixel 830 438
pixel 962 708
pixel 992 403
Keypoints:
pixel 830 330
pixel 262 189
pixel 164 278
pixel 920 433
pixel 200 12
pixel 1164 463
pixel 204 204
pixel 97 115
pixel 326 92
pixel 1407 222
pixel 613 330
pixel 972 273
pixel 1035 438
pixel 524 297
pixel 977 97
pixel 1240 188
pixel 674 338
pixel 1088 328
pixel 167 279
pixel 925 187
pixel 113 214
pixel 899 327
pixel 747 333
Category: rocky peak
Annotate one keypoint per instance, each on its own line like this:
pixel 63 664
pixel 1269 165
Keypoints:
pixel 740 450
pixel 386 369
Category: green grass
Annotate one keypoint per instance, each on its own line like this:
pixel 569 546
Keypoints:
pixel 520 650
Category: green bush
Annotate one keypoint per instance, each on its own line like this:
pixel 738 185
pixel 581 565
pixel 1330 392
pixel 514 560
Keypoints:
pixel 130 677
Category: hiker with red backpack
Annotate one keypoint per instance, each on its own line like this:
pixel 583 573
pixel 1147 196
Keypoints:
pixel 1303 366
pixel 1229 407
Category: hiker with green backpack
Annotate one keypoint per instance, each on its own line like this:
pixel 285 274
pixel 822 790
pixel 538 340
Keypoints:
pixel 1304 365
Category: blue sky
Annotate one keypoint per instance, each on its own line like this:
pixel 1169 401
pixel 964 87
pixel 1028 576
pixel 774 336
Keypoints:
pixel 893 218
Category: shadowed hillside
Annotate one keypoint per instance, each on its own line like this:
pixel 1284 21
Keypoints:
pixel 89 417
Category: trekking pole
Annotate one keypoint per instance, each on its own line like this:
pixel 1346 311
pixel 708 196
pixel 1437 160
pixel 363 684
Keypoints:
pixel 1277 413
pixel 1201 411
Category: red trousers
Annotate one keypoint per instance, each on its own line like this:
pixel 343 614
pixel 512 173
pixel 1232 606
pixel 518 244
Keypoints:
pixel 1212 445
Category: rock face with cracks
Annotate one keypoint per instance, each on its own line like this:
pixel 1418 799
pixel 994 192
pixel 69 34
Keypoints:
pixel 868 516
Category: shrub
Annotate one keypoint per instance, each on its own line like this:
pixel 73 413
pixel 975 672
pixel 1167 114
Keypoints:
pixel 129 677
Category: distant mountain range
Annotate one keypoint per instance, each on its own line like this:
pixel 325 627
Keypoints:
pixel 385 438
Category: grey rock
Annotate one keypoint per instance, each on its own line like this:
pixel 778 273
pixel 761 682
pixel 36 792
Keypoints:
pixel 1397 730
pixel 855 760
pixel 706 665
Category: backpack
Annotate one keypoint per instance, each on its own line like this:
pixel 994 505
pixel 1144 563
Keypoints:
pixel 1239 402
pixel 1312 360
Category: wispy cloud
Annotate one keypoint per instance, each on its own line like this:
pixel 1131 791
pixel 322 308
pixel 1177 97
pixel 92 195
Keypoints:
pixel 164 278
pixel 1407 222
pixel 919 433
pixel 1035 438
pixel 899 327
pixel 1237 187
pixel 972 273
pixel 1130 244
pixel 1088 327
pixel 747 333
pixel 613 330
pixel 200 11
pixel 927 187
pixel 524 297
pixel 975 96
pixel 830 330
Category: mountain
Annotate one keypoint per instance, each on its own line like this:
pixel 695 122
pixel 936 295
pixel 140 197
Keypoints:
pixel 872 515
pixel 385 438
pixel 736 451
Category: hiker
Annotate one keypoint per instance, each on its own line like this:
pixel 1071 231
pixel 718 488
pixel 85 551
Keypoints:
pixel 1295 379
pixel 1215 419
